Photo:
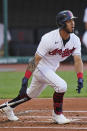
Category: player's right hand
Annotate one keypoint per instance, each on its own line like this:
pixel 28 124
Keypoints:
pixel 23 89
pixel 80 85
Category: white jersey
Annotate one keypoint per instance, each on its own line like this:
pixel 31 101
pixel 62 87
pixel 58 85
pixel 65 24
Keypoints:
pixel 53 51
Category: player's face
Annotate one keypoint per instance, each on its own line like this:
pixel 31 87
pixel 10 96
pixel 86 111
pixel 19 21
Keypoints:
pixel 70 24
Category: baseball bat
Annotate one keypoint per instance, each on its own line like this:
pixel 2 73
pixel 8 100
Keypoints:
pixel 13 103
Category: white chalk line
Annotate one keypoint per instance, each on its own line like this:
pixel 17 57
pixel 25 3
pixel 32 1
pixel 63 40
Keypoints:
pixel 49 117
pixel 51 127
pixel 49 120
pixel 32 111
pixel 44 117
pixel 39 110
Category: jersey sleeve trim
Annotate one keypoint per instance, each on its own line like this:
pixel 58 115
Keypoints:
pixel 39 54
pixel 76 54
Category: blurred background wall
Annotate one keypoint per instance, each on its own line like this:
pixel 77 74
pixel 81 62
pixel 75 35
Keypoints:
pixel 28 20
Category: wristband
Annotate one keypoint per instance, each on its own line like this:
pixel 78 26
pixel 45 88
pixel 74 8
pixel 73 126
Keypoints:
pixel 80 75
pixel 28 74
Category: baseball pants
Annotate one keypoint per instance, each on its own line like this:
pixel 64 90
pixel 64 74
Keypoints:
pixel 43 77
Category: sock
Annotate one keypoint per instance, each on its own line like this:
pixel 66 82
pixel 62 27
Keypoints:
pixel 58 102
pixel 17 99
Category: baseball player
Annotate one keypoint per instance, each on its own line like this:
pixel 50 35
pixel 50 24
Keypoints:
pixel 54 47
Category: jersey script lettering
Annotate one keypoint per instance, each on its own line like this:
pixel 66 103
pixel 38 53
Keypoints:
pixel 64 53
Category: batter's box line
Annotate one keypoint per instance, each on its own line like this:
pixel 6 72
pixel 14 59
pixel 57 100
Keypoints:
pixel 33 111
pixel 41 116
pixel 47 117
pixel 76 121
pixel 46 121
pixel 51 127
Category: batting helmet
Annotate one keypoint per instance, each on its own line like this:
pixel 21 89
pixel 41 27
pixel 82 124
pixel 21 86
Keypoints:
pixel 63 16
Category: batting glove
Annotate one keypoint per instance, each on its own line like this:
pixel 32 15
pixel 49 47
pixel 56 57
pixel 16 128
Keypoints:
pixel 80 85
pixel 23 89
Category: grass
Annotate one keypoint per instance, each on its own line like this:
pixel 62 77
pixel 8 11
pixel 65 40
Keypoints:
pixel 10 83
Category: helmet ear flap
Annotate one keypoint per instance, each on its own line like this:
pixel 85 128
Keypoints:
pixel 63 25
pixel 60 21
pixel 60 24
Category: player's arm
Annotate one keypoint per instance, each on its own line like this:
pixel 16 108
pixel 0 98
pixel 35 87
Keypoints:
pixel 42 50
pixel 33 63
pixel 78 64
pixel 79 70
pixel 30 69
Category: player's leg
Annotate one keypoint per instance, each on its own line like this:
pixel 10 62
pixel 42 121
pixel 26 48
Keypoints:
pixel 60 87
pixel 8 110
pixel 33 91
pixel 35 88
pixel 18 98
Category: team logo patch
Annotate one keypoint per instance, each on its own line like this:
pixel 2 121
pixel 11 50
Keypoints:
pixel 66 52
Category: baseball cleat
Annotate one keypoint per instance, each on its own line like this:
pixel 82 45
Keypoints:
pixel 60 119
pixel 9 113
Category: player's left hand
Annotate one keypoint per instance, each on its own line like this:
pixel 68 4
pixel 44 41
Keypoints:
pixel 80 85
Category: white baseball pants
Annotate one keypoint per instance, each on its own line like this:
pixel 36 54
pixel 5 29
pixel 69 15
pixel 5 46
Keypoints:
pixel 43 77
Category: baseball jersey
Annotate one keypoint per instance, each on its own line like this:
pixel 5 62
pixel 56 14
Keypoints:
pixel 53 51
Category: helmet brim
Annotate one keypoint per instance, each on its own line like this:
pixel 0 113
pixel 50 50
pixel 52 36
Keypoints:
pixel 74 17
